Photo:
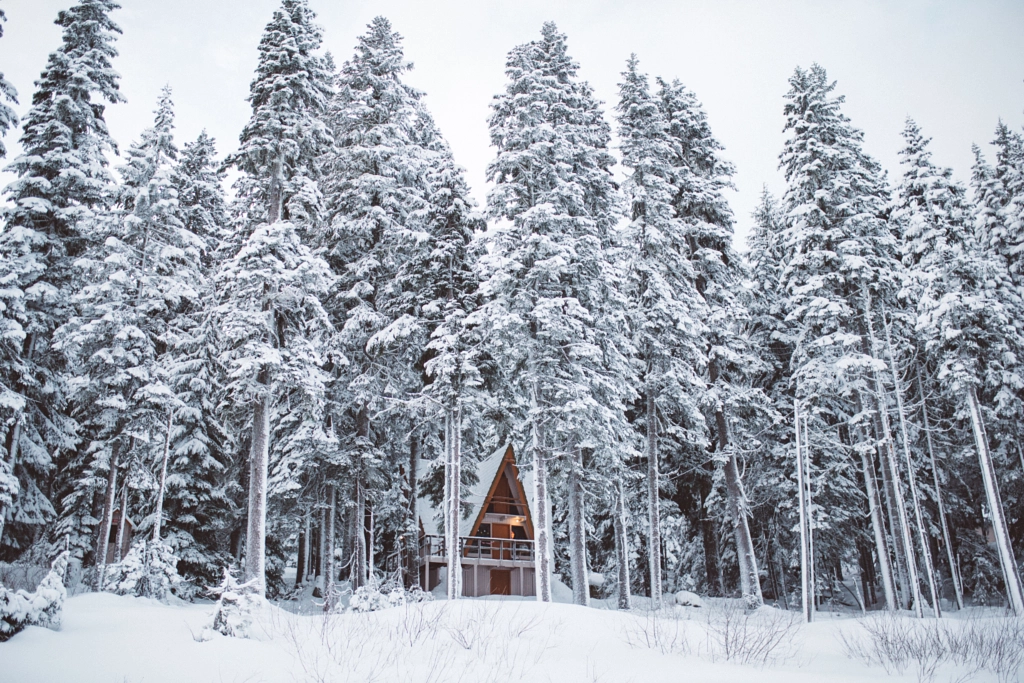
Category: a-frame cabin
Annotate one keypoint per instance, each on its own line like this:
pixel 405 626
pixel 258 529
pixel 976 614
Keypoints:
pixel 496 539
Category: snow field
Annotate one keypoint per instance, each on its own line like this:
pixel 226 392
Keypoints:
pixel 111 639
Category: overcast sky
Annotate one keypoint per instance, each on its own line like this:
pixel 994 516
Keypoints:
pixel 956 67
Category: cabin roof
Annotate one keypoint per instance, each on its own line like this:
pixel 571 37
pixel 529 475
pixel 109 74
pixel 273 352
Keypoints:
pixel 487 470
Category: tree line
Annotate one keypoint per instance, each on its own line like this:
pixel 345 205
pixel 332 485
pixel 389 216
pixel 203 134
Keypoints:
pixel 279 375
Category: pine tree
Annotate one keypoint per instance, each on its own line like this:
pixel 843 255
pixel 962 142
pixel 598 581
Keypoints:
pixel 550 280
pixel 143 271
pixel 377 193
pixel 699 180
pixel 279 152
pixel 197 504
pixel 841 267
pixel 667 305
pixel 61 179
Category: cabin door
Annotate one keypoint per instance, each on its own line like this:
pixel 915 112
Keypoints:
pixel 501 582
pixel 501 550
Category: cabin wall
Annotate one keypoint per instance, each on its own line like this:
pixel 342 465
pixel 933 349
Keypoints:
pixel 476 580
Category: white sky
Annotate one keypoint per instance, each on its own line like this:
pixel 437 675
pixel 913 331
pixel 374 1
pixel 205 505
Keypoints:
pixel 956 67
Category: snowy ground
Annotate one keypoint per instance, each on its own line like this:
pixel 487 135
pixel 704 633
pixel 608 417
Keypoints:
pixel 111 639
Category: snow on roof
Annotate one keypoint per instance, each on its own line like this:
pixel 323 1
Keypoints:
pixel 487 470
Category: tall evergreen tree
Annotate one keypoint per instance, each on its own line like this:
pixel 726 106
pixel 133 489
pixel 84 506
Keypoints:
pixel 667 305
pixel 61 180
pixel 279 152
pixel 549 280
pixel 198 504
pixel 841 268
pixel 378 194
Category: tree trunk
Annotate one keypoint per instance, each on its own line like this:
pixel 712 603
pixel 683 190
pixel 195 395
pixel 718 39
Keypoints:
pixel 889 462
pixel 750 582
pixel 330 573
pixel 541 511
pixel 103 539
pixel 926 554
pixel 411 535
pixel 122 522
pixel 898 552
pixel 653 500
pixel 578 532
pixel 810 514
pixel 881 549
pixel 806 591
pixel 300 556
pixel 359 565
pixel 163 481
pixel 995 506
pixel 454 449
pixel 256 532
pixel 954 575
pixel 622 546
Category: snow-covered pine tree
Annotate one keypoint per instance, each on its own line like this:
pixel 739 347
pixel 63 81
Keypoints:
pixel 449 296
pixel 666 307
pixel 142 271
pixel 841 254
pixel 275 334
pixel 967 320
pixel 377 193
pixel 197 505
pixel 933 214
pixel 279 152
pixel 1000 200
pixel 61 178
pixel 548 278
pixel 700 178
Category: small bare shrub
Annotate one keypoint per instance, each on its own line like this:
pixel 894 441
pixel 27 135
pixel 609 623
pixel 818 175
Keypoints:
pixel 761 637
pixel 655 631
pixel 898 643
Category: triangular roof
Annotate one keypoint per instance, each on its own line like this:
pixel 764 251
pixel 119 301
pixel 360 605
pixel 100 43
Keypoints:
pixel 488 471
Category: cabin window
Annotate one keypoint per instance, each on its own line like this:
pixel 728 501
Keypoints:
pixel 519 533
pixel 484 531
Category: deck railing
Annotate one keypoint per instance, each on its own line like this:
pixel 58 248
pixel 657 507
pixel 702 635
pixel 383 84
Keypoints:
pixel 473 547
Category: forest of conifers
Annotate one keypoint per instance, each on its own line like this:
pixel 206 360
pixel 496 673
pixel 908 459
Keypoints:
pixel 254 371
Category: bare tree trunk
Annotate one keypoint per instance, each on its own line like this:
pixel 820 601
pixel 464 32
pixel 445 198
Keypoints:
pixel 750 581
pixel 622 546
pixel 810 513
pixel 359 566
pixel 906 539
pixel 954 574
pixel 995 506
pixel 163 481
pixel 541 511
pixel 926 554
pixel 103 540
pixel 330 573
pixel 300 556
pixel 881 549
pixel 653 499
pixel 578 532
pixel 256 533
pixel 122 522
pixel 454 449
pixel 411 535
pixel 904 593
pixel 806 591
